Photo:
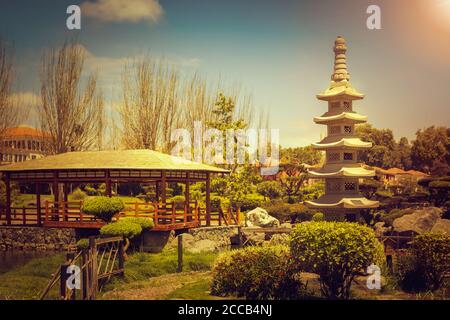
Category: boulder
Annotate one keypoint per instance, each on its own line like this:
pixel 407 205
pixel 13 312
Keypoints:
pixel 441 226
pixel 202 246
pixel 259 217
pixel 420 221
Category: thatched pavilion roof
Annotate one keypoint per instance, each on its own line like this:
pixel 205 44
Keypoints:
pixel 116 159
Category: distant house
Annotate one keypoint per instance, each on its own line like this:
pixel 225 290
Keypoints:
pixel 21 143
pixel 396 177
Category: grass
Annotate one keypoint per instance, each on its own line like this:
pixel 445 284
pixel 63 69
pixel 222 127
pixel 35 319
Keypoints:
pixel 27 281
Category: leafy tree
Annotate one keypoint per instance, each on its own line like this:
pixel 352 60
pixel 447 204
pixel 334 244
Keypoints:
pixel 431 147
pixel 269 189
pixel 292 178
pixel 404 154
pixel 382 154
pixel 303 155
pixel 369 187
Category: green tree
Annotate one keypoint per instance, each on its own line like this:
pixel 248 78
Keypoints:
pixel 269 189
pixel 383 153
pixel 432 146
pixel 302 155
pixel 403 152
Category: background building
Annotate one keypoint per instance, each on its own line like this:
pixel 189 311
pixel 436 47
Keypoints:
pixel 21 143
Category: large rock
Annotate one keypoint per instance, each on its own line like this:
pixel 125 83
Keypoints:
pixel 441 226
pixel 420 221
pixel 202 246
pixel 259 217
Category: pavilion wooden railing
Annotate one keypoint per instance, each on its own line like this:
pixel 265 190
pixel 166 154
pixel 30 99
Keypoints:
pixel 165 215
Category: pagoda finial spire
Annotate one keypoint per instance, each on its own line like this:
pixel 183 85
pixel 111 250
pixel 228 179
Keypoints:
pixel 340 61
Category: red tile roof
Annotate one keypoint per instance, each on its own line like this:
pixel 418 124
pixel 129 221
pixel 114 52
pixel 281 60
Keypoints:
pixel 22 131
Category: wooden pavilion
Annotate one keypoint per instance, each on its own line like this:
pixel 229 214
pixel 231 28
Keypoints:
pixel 110 167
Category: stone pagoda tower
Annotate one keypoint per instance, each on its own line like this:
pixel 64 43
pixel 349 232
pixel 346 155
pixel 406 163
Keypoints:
pixel 342 200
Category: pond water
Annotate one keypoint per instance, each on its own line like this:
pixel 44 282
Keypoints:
pixel 14 258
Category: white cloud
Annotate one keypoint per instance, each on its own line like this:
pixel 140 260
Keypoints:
pixel 123 10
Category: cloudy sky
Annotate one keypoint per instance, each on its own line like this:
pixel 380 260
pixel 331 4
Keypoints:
pixel 280 51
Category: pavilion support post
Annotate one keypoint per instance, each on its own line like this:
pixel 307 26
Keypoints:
pixel 208 199
pixel 157 191
pixel 38 203
pixel 186 198
pixel 55 188
pixel 163 187
pixel 8 199
pixel 108 183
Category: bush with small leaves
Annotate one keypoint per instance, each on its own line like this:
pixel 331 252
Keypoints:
pixel 83 244
pixel 145 223
pixel 104 208
pixel 432 251
pixel 256 273
pixel 123 228
pixel 78 194
pixel 336 251
pixel 318 216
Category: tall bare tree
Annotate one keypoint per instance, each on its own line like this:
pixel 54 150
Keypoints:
pixel 150 106
pixel 11 113
pixel 71 113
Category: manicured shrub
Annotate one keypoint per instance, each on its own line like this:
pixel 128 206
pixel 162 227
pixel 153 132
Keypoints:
pixel 318 216
pixel 78 194
pixel 410 274
pixel 250 202
pixel 145 223
pixel 123 228
pixel 103 207
pixel 336 251
pixel 432 251
pixel 256 273
pixel 178 201
pixel 83 244
pixel 292 213
pixel 270 189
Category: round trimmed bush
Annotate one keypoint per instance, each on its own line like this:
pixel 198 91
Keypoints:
pixel 123 228
pixel 78 194
pixel 145 223
pixel 336 251
pixel 318 216
pixel 83 244
pixel 104 208
pixel 256 273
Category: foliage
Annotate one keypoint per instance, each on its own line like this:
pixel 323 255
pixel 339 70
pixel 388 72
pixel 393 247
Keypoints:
pixel 250 202
pixel 293 176
pixel 292 213
pixel 389 218
pixel 382 154
pixel 432 146
pixel 14 192
pixel 336 251
pixel 78 194
pixel 318 216
pixel 144 223
pixel 83 244
pixel 92 190
pixel 178 201
pixel 410 275
pixel 432 251
pixel 303 155
pixel 256 273
pixel 219 185
pixel 439 191
pixel 369 187
pixel 313 192
pixel 269 189
pixel 123 228
pixel 103 207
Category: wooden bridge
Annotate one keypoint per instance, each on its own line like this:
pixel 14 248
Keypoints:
pixel 165 216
